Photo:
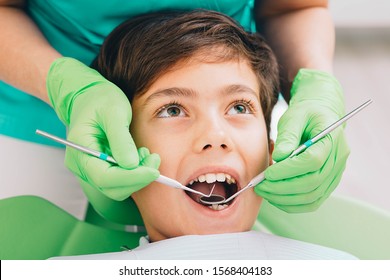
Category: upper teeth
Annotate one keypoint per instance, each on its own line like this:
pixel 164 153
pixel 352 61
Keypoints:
pixel 214 177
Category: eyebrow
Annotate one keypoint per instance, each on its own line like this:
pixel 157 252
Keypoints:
pixel 174 91
pixel 238 89
pixel 190 93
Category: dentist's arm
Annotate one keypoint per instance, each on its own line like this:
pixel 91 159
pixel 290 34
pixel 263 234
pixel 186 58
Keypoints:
pixel 83 100
pixel 25 54
pixel 301 34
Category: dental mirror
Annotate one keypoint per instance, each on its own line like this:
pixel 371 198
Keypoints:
pixel 218 199
pixel 212 199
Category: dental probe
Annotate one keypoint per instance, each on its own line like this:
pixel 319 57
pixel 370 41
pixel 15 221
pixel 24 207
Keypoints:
pixel 330 128
pixel 161 179
pixel 260 177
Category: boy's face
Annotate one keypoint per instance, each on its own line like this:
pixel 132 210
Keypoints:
pixel 206 123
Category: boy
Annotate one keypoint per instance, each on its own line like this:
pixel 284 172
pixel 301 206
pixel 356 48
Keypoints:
pixel 202 91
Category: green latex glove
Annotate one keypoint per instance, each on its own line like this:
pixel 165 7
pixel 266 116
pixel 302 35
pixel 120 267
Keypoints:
pixel 98 115
pixel 302 183
pixel 125 211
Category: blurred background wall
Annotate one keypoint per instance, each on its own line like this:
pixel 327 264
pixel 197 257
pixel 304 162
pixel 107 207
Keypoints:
pixel 362 65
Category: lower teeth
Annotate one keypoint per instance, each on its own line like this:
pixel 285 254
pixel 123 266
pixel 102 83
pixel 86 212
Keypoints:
pixel 218 207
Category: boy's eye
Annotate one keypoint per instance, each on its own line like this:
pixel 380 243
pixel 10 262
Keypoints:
pixel 170 111
pixel 240 108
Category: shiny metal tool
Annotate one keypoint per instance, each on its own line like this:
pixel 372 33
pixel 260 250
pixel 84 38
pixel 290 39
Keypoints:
pixel 161 179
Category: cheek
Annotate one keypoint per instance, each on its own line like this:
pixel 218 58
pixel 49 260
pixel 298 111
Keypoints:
pixel 255 149
pixel 140 132
pixel 160 138
pixel 145 136
pixel 152 201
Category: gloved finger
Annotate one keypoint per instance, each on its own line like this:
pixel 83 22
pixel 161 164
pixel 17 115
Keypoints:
pixel 152 161
pixel 292 199
pixel 294 203
pixel 310 160
pixel 87 136
pixel 309 207
pixel 143 152
pixel 290 130
pixel 123 148
pixel 138 179
pixel 300 190
pixel 104 176
pixel 72 161
pixel 147 159
pixel 298 185
pixel 307 187
pixel 120 193
pixel 305 202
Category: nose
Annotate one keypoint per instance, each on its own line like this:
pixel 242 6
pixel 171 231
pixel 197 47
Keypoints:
pixel 212 135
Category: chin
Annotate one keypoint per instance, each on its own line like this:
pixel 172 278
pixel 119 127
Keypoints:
pixel 237 216
pixel 190 217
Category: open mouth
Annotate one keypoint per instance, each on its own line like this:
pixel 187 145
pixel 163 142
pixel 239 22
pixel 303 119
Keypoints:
pixel 224 185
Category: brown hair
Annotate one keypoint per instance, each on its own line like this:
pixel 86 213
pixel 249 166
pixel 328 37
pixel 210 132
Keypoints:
pixel 141 49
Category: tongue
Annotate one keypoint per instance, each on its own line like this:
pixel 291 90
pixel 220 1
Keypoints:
pixel 205 188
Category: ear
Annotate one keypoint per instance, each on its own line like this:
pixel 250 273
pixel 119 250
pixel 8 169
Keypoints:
pixel 271 145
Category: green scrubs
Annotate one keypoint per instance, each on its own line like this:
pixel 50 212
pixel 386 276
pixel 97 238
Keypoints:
pixel 77 29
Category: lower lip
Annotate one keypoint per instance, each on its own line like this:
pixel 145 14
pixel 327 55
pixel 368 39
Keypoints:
pixel 213 213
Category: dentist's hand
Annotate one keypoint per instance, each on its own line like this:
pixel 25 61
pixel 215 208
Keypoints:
pixel 98 115
pixel 125 211
pixel 302 183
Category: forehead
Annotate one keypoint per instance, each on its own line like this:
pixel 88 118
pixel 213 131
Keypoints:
pixel 213 54
pixel 204 80
pixel 210 56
